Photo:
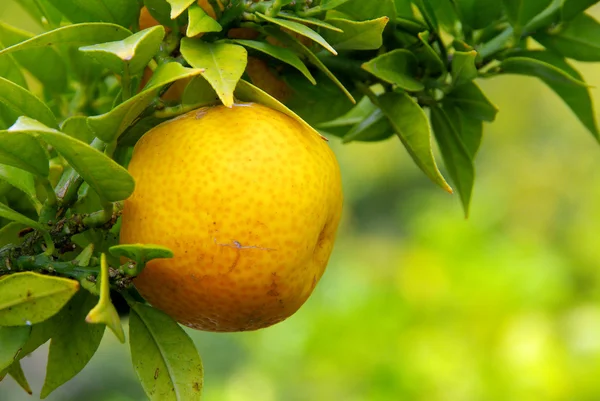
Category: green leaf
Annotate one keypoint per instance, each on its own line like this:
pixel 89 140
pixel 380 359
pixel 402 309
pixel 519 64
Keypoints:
pixel 470 130
pixel 223 64
pixel 470 98
pixel 23 151
pixel 300 29
pixel 12 215
pixel 24 103
pixel 164 357
pixel 200 22
pixel 309 21
pixel 362 10
pixel 478 14
pixel 12 340
pixel 199 91
pixel 280 53
pixel 52 73
pixel 16 372
pixel 579 39
pixel 111 125
pixel 73 35
pixel 298 47
pixel 22 180
pixel 354 116
pixel 571 8
pixel 433 62
pixel 410 124
pixel 111 181
pixel 74 344
pixel 247 92
pixel 10 70
pixel 398 67
pixel 375 127
pixel 120 12
pixel 463 67
pixel 520 12
pixel 141 253
pixel 446 15
pixel 428 12
pixel 456 157
pixel 41 333
pixel 78 128
pixel 9 234
pixel 28 298
pixel 131 54
pixel 362 35
pixel 576 97
pixel 160 10
pixel 540 69
pixel 179 6
pixel 42 12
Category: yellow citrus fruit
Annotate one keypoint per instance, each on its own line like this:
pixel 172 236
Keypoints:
pixel 249 201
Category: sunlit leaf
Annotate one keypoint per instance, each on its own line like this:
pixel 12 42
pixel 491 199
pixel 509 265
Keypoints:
pixel 200 22
pixel 179 6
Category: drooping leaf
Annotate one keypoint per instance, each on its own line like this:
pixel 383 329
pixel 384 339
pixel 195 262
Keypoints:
pixel 16 372
pixel 412 127
pixel 111 181
pixel 24 103
pixel 179 6
pixel 280 53
pixel 356 35
pixel 469 98
pixel 164 357
pixel 52 73
pixel 131 54
pixel 456 157
pixel 398 67
pixel 28 298
pixel 223 64
pixel 463 67
pixel 12 339
pixel 74 344
pixel 111 125
pixel 300 29
pixel 200 22
pixel 579 39
pixel 23 151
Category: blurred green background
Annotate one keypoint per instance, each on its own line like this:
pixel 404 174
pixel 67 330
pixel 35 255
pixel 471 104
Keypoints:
pixel 417 302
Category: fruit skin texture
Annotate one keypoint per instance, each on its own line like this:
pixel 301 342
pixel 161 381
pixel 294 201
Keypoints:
pixel 249 201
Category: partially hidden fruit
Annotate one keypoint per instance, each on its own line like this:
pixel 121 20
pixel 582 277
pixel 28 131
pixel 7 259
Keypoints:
pixel 249 201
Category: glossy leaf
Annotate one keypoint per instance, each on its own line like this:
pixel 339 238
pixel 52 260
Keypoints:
pixel 23 151
pixel 280 53
pixel 16 372
pixel 164 357
pixel 28 298
pixel 571 8
pixel 78 128
pixel 309 21
pixel 22 180
pixel 520 12
pixel 398 67
pixel 223 64
pixel 356 35
pixel 24 103
pixel 579 39
pixel 375 127
pixel 300 29
pixel 131 54
pixel 200 22
pixel 12 340
pixel 575 96
pixel 463 67
pixel 412 127
pixel 470 130
pixel 12 215
pixel 52 73
pixel 116 11
pixel 179 6
pixel 111 125
pixel 471 100
pixel 540 69
pixel 111 181
pixel 362 10
pixel 457 159
pixel 74 344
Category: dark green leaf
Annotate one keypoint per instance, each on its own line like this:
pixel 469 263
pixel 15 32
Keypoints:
pixel 12 340
pixel 111 181
pixel 375 127
pixel 120 12
pixel 354 116
pixel 24 103
pixel 21 179
pixel 539 69
pixel 74 344
pixel 446 15
pixel 463 67
pixel 410 124
pixel 362 10
pixel 11 215
pixel 164 357
pixel 471 100
pixel 160 10
pixel 16 372
pixel 479 14
pixel 200 22
pixel 578 39
pixel 179 6
pixel 280 53
pixel 428 12
pixel 52 73
pixel 456 158
pixel 23 151
pixel 432 60
pixel 469 129
pixel 356 35
pixel 398 67
pixel 520 12
pixel 28 298
pixel 309 21
pixel 571 8
pixel 131 54
pixel 223 64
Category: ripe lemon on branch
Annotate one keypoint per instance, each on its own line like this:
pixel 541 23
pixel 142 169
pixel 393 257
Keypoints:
pixel 249 201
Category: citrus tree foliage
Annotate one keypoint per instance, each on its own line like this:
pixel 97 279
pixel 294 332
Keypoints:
pixel 75 99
